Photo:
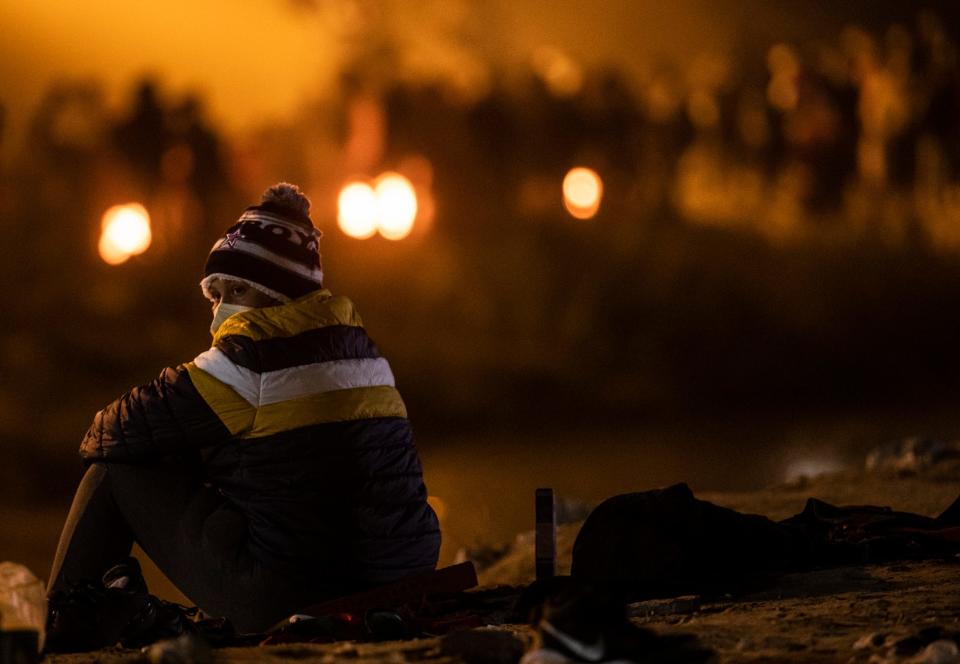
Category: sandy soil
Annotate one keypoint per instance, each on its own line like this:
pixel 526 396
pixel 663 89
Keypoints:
pixel 851 614
pixel 821 616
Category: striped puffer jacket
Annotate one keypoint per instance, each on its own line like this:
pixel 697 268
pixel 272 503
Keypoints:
pixel 303 430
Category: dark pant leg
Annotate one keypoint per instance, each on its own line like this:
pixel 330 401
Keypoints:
pixel 95 536
pixel 193 534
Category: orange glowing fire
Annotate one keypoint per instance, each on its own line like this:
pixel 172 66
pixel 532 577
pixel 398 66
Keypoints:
pixel 582 192
pixel 125 232
pixel 357 210
pixel 388 207
pixel 396 206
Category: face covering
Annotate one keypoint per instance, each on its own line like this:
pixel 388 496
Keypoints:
pixel 223 312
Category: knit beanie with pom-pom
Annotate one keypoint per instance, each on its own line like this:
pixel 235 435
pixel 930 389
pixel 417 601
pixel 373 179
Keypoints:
pixel 273 247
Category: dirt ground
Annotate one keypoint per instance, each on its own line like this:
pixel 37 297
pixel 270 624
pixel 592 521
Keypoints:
pixel 879 613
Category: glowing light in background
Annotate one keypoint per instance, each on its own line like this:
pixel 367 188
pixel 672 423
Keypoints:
pixel 125 233
pixel 396 206
pixel 389 206
pixel 357 210
pixel 582 192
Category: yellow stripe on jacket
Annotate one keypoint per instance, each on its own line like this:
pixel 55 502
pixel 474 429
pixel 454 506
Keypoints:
pixel 336 406
pixel 234 411
pixel 313 310
pixel 245 421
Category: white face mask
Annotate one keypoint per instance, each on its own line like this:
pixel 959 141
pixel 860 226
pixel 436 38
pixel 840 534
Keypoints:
pixel 223 312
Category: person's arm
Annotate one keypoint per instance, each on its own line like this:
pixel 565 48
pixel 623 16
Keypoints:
pixel 166 416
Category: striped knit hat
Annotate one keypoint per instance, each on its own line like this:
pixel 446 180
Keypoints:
pixel 273 247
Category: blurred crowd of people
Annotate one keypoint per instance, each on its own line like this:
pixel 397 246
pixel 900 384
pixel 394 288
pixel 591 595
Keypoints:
pixel 859 136
pixel 856 136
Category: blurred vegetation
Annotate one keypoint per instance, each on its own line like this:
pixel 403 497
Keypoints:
pixel 780 230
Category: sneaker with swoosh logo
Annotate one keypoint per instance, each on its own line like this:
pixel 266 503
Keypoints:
pixel 579 623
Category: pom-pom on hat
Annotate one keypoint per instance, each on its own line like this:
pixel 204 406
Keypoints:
pixel 273 247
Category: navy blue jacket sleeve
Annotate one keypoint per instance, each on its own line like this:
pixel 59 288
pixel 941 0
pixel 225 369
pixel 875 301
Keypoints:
pixel 163 417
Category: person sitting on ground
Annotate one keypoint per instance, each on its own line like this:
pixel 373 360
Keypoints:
pixel 276 469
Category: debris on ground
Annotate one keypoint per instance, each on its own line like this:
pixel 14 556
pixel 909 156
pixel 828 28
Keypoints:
pixel 930 645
